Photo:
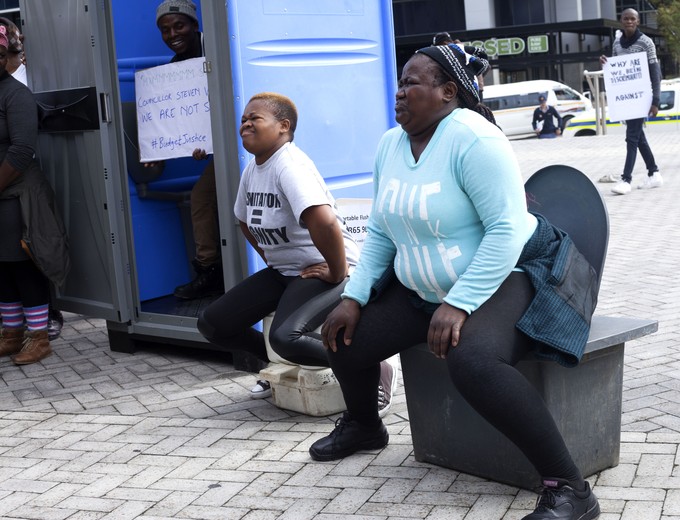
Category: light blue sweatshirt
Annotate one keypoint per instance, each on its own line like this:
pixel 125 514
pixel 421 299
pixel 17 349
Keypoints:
pixel 454 223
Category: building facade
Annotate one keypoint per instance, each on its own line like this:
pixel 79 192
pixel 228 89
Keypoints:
pixel 526 39
pixel 10 9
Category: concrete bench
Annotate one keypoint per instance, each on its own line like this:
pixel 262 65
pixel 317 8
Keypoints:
pixel 585 402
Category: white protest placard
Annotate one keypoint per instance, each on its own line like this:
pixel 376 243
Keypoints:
pixel 173 112
pixel 629 89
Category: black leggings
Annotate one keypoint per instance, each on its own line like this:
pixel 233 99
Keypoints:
pixel 301 306
pixel 23 282
pixel 481 368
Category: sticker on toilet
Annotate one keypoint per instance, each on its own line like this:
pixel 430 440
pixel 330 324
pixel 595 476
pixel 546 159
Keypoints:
pixel 356 213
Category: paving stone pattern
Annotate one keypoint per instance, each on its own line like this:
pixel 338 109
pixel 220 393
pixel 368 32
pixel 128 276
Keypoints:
pixel 91 434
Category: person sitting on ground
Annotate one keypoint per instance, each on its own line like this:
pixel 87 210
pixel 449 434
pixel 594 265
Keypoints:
pixel 33 244
pixel 178 22
pixel 451 259
pixel 544 118
pixel 288 215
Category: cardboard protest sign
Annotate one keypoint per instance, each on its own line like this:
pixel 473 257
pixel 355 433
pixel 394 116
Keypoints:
pixel 173 112
pixel 629 89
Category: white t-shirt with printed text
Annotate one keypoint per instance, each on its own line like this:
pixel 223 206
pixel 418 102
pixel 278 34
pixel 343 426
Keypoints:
pixel 271 199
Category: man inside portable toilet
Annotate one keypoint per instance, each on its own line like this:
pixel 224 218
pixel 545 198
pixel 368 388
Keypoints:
pixel 178 22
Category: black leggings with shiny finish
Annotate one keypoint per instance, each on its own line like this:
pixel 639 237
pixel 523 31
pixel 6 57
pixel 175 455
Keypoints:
pixel 301 306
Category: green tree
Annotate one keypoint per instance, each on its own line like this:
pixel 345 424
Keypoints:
pixel 669 23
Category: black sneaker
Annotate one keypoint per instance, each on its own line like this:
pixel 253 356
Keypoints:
pixel 348 437
pixel 261 390
pixel 386 388
pixel 561 501
pixel 209 281
pixel 55 322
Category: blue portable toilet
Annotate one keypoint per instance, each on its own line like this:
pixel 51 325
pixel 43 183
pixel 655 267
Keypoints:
pixel 159 205
pixel 336 61
pixel 334 58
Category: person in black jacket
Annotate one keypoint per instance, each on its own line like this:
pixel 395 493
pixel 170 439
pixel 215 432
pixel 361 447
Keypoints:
pixel 33 243
pixel 543 122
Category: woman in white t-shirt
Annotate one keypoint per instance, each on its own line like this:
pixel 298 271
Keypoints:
pixel 289 216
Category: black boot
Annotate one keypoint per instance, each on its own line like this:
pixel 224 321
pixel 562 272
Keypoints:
pixel 348 437
pixel 55 322
pixel 208 282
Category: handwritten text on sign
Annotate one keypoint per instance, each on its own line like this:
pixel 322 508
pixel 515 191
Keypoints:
pixel 173 112
pixel 629 89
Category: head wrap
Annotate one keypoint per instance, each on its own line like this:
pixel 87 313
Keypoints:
pixel 459 65
pixel 185 7
pixel 13 35
pixel 4 42
pixel 441 38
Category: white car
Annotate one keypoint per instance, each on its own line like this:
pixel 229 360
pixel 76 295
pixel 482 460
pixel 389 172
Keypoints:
pixel 513 104
pixel 667 119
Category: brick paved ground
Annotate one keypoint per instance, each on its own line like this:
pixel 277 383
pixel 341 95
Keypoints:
pixel 93 434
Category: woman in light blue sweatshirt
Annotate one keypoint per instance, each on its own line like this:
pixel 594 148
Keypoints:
pixel 450 222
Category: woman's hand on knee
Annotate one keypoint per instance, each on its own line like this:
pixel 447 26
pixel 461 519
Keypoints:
pixel 444 331
pixel 344 316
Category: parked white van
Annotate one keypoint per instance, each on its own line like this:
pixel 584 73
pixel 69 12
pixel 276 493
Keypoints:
pixel 667 120
pixel 513 104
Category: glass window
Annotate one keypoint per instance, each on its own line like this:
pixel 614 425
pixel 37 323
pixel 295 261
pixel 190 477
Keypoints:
pixel 566 94
pixel 514 101
pixel 667 100
pixel 8 5
pixel 529 100
pixel 428 17
pixel 519 12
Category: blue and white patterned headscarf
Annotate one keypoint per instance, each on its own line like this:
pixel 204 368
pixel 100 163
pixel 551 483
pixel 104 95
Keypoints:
pixel 460 66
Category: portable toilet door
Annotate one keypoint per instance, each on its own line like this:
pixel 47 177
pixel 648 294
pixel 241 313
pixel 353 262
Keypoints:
pixel 69 70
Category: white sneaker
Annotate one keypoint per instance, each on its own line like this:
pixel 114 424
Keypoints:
pixel 609 178
pixel 621 188
pixel 651 181
pixel 386 387
pixel 261 390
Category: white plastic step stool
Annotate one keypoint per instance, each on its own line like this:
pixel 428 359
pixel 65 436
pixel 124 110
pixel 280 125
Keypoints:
pixel 307 389
pixel 304 389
